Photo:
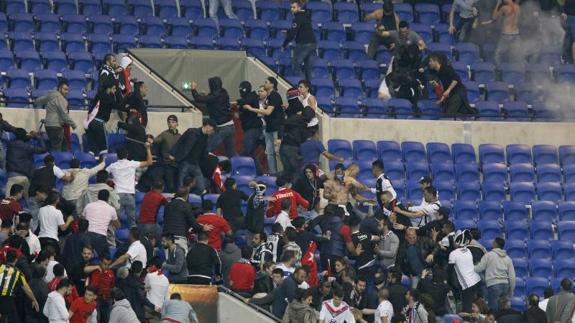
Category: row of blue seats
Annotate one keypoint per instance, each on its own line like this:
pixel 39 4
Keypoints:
pixel 511 211
pixel 46 79
pixel 78 99
pixel 435 152
pixel 533 285
pixel 513 73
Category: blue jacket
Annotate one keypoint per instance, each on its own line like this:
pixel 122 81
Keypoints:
pixel 20 156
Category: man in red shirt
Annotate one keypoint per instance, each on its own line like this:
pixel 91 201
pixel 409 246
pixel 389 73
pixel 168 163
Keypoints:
pixel 220 225
pixel 10 207
pixel 83 308
pixel 243 273
pixel 103 279
pixel 151 204
pixel 285 192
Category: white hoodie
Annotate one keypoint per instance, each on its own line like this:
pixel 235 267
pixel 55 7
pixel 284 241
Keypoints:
pixel 55 308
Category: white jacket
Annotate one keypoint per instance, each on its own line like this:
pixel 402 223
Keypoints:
pixel 55 308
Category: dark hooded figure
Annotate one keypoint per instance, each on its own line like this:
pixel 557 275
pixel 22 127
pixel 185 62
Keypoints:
pixel 136 102
pixel 294 104
pixel 136 136
pixel 252 124
pixel 293 135
pixel 217 104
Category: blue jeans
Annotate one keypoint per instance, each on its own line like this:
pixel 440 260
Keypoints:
pixel 291 160
pixel 215 5
pixel 187 169
pixel 251 138
pixel 464 27
pixel 150 227
pixel 128 205
pixel 301 60
pixel 99 243
pixel 271 154
pixel 494 293
pixel 224 134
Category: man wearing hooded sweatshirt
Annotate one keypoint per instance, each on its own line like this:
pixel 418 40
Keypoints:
pixel 55 308
pixel 217 104
pixel 121 310
pixel 293 135
pixel 248 106
pixel 56 115
pixel 499 273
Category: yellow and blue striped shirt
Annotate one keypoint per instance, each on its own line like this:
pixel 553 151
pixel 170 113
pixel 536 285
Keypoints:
pixel 10 278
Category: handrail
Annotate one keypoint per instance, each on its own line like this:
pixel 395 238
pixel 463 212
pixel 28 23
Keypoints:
pixel 223 289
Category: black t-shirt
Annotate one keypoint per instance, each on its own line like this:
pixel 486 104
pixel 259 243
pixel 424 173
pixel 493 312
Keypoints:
pixel 446 75
pixel 250 120
pixel 275 120
pixel 368 254
pixel 438 292
pixel 230 202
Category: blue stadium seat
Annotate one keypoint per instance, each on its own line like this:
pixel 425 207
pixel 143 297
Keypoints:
pixel 468 52
pixel 564 268
pixel 512 72
pixel 445 189
pixel 442 171
pixel 541 230
pixel 115 141
pixel 176 42
pixel 369 70
pixel 414 192
pixel 403 10
pixel 465 172
pixel 519 288
pixel 354 50
pixel 150 41
pixel 540 249
pixel 495 173
pixel 516 230
pixel 90 7
pixel 16 6
pixel 193 9
pixel 521 267
pixel 438 152
pixel 394 170
pixel 518 154
pixel 231 28
pixel 465 210
pixel 243 184
pixel 497 91
pixel 320 69
pixel 228 43
pixel 469 191
pixel 99 44
pixel 515 211
pixel 18 79
pixel 490 109
pixel 333 31
pixel 463 153
pixel 483 72
pixel 81 61
pixel 566 210
pixel 464 224
pixel 278 28
pixel 565 73
pixel 346 12
pixel 545 154
pixel 491 153
pixel 566 230
pixel 330 50
pixel 401 107
pixel 66 7
pixel 48 23
pixel 341 148
pixel 47 42
pixel 153 26
pixel 424 31
pixel 122 42
pixel 413 151
pixel 545 211
pixel 563 249
pixel 489 229
pixel 494 191
pixel 522 192
pixel 540 268
pixel 548 191
pixel 522 173
pixel 257 29
pixel 74 24
pixel 344 69
pixel 269 11
pixel 115 8
pixel 417 170
pixel 389 151
pixel 243 10
pixel 364 150
pixel 62 158
pixel 87 160
pixel 21 41
pixel 516 248
pixel 72 42
pixel 55 60
pixel 46 79
pixel 21 22
pixel 473 92
pixel 525 92
pixel 76 79
pixel 490 211
pixel 243 166
pixel 167 9
pixel 205 27
pixel 320 11
pixel 549 173
pixel 568 173
pixel 347 107
pixel 427 13
pixel 567 155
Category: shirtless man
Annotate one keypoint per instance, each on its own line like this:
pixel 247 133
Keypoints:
pixel 509 38
pixel 341 184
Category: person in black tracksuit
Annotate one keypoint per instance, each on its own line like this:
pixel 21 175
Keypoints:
pixel 251 122
pixel 302 33
pixel 217 104
pixel 135 137
pixel 293 135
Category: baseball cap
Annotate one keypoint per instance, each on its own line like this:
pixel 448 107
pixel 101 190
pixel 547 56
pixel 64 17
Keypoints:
pixel 425 179
pixel 172 117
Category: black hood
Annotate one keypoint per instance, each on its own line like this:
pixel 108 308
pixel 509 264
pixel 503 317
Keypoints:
pixel 215 84
pixel 245 89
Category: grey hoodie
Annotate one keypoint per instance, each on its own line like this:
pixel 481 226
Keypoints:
pixel 56 105
pixel 298 312
pixel 122 312
pixel 498 268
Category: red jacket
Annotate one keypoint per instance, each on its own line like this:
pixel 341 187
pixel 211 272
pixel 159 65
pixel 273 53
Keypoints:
pixel 275 205
pixel 103 281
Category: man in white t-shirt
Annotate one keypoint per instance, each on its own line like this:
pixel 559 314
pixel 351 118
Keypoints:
pixel 136 251
pixel 100 215
pixel 462 261
pixel 124 173
pixel 336 310
pixel 157 284
pixel 283 216
pixel 384 311
pixel 423 214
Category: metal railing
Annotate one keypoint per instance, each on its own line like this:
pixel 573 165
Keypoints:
pixel 258 309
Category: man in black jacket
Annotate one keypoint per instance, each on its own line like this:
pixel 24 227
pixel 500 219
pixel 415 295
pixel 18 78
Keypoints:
pixel 249 105
pixel 217 104
pixel 281 296
pixel 274 118
pixel 204 264
pixel 189 151
pixel 133 287
pixel 302 33
pixel 293 135
pixel 534 314
pixel 135 137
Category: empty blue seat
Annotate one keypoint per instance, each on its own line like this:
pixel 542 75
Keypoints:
pixel 231 28
pixel 347 107
pixel 115 8
pixel 115 141
pixel 47 42
pixel 541 230
pixel 72 42
pixel 228 43
pixel 364 150
pixel 257 29
pixel 22 22
pixel 167 9
pixel 55 60
pixel 497 91
pixel 563 249
pixel 65 7
pixel 413 151
pixel 515 211
pixel 369 70
pixel 150 41
pixel 545 211
pixel 517 111
pixel 567 155
pixel 483 72
pixel 129 26
pixel 443 171
pixel 394 170
pixel 344 69
pixel 489 109
pixel 46 79
pixel 464 224
pixel 18 98
pixel 330 50
pixel 243 166
pixel 320 11
pixel 540 249
pixel 48 23
pixel 491 153
pixel 192 9
pixel 466 172
pixel 21 41
pixel 490 211
pixel 522 192
pixel 465 210
pixel 176 42
pixel 446 189
pixel 18 79
pixel 99 44
pixel 495 173
pixel 518 154
pixel 334 31
pixel 519 288
pixel 346 12
pixel 417 170
pixel 90 7
pixel 564 268
pixel 403 108
pixel 341 148
pixel 540 268
pixel 76 79
pixel 522 173
pixel 545 154
pixel 469 191
pixel 205 27
pixel 565 73
pixel 269 11
pixel 389 151
pixel 354 50
pixel 549 173
pixel 521 267
pixel 414 192
pixel 538 285
pixel 428 14
pixel 489 229
pixel 548 191
pixel 516 248
pixel 74 23
pixel 243 10
pixel 122 42
pixel 16 6
pixel 467 52
pixel 516 230
pixel 566 210
pixel 512 72
pixel 494 191
pixel 463 153
pixel 153 25
pixel 566 230
pixel 81 61
pixel 403 10
pixel 438 152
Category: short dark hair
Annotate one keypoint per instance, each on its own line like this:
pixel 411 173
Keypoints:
pixel 500 242
pixel 135 233
pixel 75 163
pixel 188 180
pixel 11 256
pixel 533 300
pixel 202 236
pixel 377 164
pixel 403 24
pixel 305 83
pixel 158 184
pixel 122 152
pixel 108 56
pixel 291 233
pixel 273 81
pixel 136 267
pixel 169 236
pixel 431 190
pixel 182 192
pixel 278 271
pixel 302 294
pixel 58 270
pixel 62 83
pixel 338 292
pixel 103 195
pixel 49 160
pixel 176 296
pixel 282 180
pixel 91 289
pixel 117 294
pixel 247 252
pixel 52 198
pixel 207 205
pixel 63 283
pixel 566 284
pixel 102 176
pixel 7 223
pixel 15 189
pixel 229 183
pixel 156 261
pixel 277 228
pixel 339 166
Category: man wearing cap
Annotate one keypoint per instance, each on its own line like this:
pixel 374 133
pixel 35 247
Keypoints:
pixel 425 213
pixel 163 144
pixel 189 151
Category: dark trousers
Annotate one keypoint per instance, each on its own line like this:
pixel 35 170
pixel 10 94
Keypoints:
pixel 196 280
pixel 186 169
pixel 45 242
pixel 8 310
pixel 468 296
pixel 251 139
pixel 100 244
pixel 56 137
pixel 291 160
pixel 160 171
pixel 104 309
pixel 463 29
pixel 97 137
pixel 301 60
pixel 225 134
